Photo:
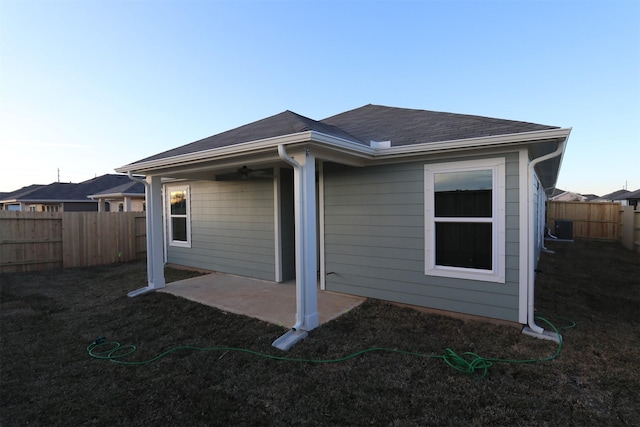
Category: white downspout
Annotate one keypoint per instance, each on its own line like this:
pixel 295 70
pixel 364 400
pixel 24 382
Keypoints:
pixel 282 153
pixel 531 323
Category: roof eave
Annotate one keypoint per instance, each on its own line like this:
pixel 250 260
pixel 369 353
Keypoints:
pixel 244 148
pixel 45 201
pixel 474 143
pixel 344 146
pixel 204 155
pixel 105 195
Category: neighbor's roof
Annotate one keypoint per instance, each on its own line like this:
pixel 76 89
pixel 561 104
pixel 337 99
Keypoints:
pixel 616 195
pixel 22 192
pixel 60 191
pixel 632 195
pixel 362 125
pixel 131 188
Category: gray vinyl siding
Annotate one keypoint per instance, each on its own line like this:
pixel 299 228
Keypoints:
pixel 287 226
pixel 374 241
pixel 232 228
pixel 539 212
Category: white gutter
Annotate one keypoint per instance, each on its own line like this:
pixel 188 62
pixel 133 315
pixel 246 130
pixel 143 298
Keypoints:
pixel 221 152
pixel 298 198
pixel 532 328
pixel 362 151
pixel 478 142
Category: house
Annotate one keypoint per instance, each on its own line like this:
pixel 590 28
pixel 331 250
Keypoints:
pixel 61 196
pixel 10 201
pixel 427 208
pixel 127 197
pixel 616 196
pixel 632 199
pixel 590 197
pixel 559 195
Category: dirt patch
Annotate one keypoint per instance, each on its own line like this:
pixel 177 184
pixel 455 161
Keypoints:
pixel 49 318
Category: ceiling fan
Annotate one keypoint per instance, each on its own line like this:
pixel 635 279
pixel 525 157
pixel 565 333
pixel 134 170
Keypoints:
pixel 245 173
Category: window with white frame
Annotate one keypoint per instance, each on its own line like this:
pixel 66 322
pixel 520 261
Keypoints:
pixel 465 219
pixel 179 216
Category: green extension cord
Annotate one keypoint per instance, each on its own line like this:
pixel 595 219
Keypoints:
pixel 467 363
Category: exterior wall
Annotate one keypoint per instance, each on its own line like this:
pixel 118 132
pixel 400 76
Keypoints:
pixel 539 202
pixel 232 228
pixel 137 205
pixel 287 225
pixel 374 241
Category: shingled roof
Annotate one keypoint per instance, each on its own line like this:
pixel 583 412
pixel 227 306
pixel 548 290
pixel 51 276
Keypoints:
pixel 404 126
pixel 61 191
pixel 362 125
pixel 129 188
pixel 285 123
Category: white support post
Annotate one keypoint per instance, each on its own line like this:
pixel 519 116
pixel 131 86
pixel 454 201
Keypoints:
pixel 304 183
pixel 155 257
pixel 127 204
pixel 307 279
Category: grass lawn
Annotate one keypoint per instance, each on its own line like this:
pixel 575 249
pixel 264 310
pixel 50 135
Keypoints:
pixel 49 318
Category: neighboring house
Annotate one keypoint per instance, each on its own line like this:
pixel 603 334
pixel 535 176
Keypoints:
pixel 9 201
pixel 616 196
pixel 60 196
pixel 567 196
pixel 590 197
pixel 632 199
pixel 128 197
pixel 433 209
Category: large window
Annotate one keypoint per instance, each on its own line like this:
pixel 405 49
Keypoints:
pixel 464 219
pixel 179 221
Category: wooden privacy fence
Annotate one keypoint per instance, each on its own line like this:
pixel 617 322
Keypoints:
pixel 590 220
pixel 32 241
pixel 594 220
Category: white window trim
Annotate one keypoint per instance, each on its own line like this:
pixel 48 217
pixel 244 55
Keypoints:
pixel 497 274
pixel 168 216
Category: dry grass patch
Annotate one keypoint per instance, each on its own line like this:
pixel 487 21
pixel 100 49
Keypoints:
pixel 49 318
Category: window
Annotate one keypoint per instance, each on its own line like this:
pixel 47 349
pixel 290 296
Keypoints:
pixel 179 216
pixel 464 220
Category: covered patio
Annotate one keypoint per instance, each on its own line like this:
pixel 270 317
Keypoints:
pixel 268 301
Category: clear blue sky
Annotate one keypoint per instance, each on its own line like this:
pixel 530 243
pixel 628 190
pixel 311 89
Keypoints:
pixel 87 86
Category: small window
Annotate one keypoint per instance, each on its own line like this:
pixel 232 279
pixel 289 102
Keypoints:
pixel 179 216
pixel 464 220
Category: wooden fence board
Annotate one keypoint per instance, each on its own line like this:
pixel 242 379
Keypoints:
pixel 100 238
pixel 30 241
pixel 41 240
pixel 590 220
pixel 630 228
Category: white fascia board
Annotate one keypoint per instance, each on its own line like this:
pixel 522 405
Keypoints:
pixel 361 151
pixel 199 156
pixel 481 142
pixel 45 202
pixel 112 195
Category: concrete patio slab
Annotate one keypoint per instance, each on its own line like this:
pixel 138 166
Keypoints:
pixel 261 299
